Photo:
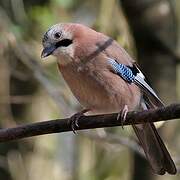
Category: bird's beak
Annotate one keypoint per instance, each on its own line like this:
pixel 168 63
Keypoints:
pixel 48 51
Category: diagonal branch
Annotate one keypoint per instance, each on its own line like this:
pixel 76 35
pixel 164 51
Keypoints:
pixel 89 122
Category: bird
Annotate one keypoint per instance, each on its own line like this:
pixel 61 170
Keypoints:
pixel 106 79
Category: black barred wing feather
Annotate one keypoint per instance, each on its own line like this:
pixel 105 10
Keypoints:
pixel 149 94
pixel 132 74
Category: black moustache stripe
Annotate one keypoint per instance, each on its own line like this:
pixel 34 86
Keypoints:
pixel 64 43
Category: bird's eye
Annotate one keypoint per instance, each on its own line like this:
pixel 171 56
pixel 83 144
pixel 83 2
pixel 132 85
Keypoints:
pixel 57 35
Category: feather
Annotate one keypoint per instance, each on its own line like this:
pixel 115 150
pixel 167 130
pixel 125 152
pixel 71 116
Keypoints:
pixel 147 134
pixel 132 74
pixel 141 81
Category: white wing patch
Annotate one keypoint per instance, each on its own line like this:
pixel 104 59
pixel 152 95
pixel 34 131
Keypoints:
pixel 140 81
pixel 132 74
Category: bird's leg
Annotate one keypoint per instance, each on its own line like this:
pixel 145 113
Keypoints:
pixel 73 120
pixel 122 115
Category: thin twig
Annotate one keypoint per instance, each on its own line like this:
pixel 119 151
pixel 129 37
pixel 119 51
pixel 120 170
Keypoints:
pixel 89 122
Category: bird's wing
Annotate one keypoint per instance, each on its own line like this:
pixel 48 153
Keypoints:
pixel 115 51
pixel 132 74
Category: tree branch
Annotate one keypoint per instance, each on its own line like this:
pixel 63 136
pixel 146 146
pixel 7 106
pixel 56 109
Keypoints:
pixel 89 122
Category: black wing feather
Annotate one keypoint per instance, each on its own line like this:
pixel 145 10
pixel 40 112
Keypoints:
pixel 149 93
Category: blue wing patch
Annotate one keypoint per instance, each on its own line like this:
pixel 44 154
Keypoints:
pixel 122 70
pixel 134 75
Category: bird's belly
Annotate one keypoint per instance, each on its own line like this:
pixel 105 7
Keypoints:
pixel 93 95
pixel 101 94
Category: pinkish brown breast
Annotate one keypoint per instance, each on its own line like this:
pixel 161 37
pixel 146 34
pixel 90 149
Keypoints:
pixel 99 89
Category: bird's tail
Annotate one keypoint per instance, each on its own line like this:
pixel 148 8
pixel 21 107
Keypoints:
pixel 154 148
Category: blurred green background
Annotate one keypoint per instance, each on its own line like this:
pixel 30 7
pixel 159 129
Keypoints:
pixel 31 89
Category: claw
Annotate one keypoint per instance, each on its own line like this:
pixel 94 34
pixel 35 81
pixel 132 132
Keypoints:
pixel 122 115
pixel 74 119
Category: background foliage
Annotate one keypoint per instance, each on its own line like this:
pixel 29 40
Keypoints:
pixel 32 90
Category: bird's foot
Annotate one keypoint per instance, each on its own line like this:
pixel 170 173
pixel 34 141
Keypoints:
pixel 122 115
pixel 73 120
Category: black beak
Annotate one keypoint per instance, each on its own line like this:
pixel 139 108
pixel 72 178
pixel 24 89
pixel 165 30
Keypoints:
pixel 48 51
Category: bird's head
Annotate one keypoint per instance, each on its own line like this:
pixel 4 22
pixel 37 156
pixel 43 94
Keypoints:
pixel 70 42
pixel 58 41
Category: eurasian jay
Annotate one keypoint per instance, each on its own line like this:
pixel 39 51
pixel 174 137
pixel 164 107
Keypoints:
pixel 105 79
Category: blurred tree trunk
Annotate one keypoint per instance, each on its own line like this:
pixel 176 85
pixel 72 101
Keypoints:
pixel 153 24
